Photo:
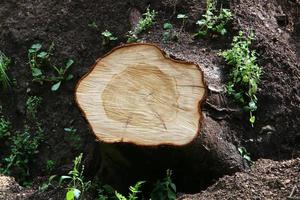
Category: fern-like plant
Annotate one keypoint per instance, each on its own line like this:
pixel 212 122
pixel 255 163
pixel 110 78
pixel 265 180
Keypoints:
pixel 133 194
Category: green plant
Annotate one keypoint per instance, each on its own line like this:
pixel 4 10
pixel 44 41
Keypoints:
pixel 105 192
pixel 4 127
pixel 145 23
pixel 165 189
pixel 38 59
pixel 169 34
pixel 134 190
pixel 32 105
pixel 61 75
pixel 73 137
pixel 107 37
pixel 245 74
pixel 47 184
pixel 23 147
pixel 50 166
pixel 76 186
pixel 213 22
pixel 93 24
pixel 244 153
pixel 4 62
pixel 183 18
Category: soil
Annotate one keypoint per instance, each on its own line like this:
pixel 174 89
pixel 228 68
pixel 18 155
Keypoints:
pixel 267 180
pixel 276 24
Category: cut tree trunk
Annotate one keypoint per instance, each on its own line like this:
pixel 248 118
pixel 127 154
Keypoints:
pixel 137 95
pixel 145 110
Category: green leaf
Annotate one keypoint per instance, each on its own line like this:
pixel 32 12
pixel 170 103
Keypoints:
pixel 106 33
pixel 70 195
pixel 36 47
pixel 56 86
pixel 120 196
pixel 252 106
pixel 36 72
pixel 76 193
pixel 201 22
pixel 247 157
pixel 182 16
pixel 168 26
pixel 42 55
pixel 223 31
pixel 173 186
pixel 252 119
pixel 69 77
pixel 69 63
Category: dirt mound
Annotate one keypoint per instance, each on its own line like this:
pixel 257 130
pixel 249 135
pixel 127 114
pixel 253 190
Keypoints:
pixel 11 190
pixel 267 180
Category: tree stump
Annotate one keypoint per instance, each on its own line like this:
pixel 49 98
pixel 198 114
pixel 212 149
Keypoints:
pixel 145 110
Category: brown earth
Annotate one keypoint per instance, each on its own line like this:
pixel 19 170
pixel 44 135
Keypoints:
pixel 276 25
pixel 267 180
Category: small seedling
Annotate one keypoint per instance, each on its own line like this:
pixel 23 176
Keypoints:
pixel 133 194
pixel 145 23
pixel 50 166
pixel 169 34
pixel 183 18
pixel 76 185
pixel 244 153
pixel 93 24
pixel 32 104
pixel 213 22
pixel 164 189
pixel 4 128
pixel 47 184
pixel 39 59
pixel 107 37
pixel 4 62
pixel 245 74
pixel 61 75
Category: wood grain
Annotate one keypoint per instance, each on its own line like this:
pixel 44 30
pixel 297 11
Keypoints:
pixel 136 94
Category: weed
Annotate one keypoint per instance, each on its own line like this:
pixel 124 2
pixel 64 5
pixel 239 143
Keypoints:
pixel 38 59
pixel 244 153
pixel 4 62
pixel 76 186
pixel 23 147
pixel 245 74
pixel 47 184
pixel 61 75
pixel 134 190
pixel 32 105
pixel 93 24
pixel 4 128
pixel 212 22
pixel 165 189
pixel 50 166
pixel 107 37
pixel 183 18
pixel 145 23
pixel 73 138
pixel 105 192
pixel 169 33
